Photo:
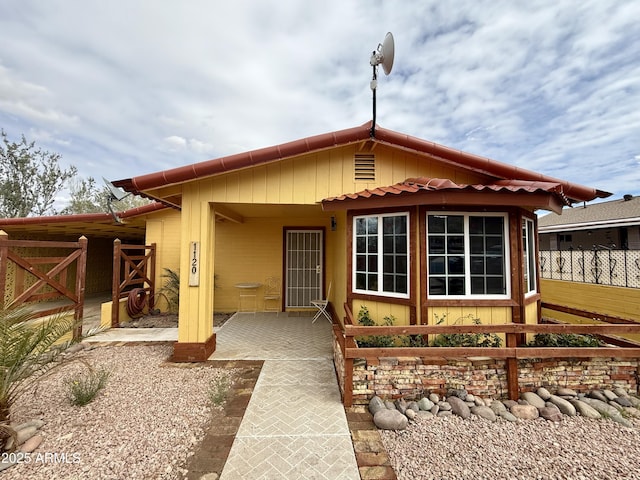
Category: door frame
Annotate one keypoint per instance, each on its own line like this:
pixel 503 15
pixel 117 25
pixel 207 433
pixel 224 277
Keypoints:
pixel 285 231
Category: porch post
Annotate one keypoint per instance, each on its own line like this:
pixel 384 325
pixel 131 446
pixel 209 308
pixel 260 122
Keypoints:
pixel 196 340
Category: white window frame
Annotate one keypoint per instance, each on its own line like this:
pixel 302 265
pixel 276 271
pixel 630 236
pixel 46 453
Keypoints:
pixel 529 260
pixel 467 256
pixel 380 257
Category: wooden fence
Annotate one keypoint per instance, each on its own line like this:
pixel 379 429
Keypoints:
pixel 134 267
pixel 38 278
pixel 513 350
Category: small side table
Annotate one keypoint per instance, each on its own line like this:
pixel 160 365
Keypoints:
pixel 248 298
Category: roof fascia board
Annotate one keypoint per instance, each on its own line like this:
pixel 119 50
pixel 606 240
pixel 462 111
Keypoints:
pixel 539 200
pixel 627 222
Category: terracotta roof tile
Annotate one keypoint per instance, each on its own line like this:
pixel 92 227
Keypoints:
pixel 468 161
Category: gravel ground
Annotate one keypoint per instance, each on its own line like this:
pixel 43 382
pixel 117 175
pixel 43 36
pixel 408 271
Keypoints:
pixel 143 425
pixel 576 448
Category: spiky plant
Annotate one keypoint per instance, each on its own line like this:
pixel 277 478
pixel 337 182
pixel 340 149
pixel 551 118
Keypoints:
pixel 29 349
pixel 171 289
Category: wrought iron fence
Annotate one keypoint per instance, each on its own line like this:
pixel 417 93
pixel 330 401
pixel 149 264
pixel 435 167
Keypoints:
pixel 601 265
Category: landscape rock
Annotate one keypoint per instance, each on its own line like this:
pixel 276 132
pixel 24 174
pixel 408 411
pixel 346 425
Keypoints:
pixel 390 420
pixel 425 404
pixel 424 415
pixel 608 411
pixel 625 402
pixel 551 413
pixel 401 405
pixel 609 394
pixel 566 392
pixel 543 393
pixel 533 398
pixel 598 395
pixel 509 403
pixel 635 401
pixel 525 412
pixel 497 406
pixel 30 445
pixel 508 416
pixel 564 405
pixel 585 410
pixel 434 397
pixel 376 404
pixel 435 409
pixel 411 414
pixel 458 407
pixel 445 413
pixel 484 412
pixel 390 405
pixel 621 392
pixel 460 393
pixel 413 405
pixel 22 436
pixel 446 406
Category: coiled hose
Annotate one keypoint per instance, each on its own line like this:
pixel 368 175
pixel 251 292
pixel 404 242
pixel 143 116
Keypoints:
pixel 136 301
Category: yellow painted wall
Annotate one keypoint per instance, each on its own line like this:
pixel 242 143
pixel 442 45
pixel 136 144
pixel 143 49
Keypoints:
pixel 465 315
pixel 614 301
pixel 311 178
pixel 163 229
pixel 379 310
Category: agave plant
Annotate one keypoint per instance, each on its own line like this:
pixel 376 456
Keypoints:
pixel 29 349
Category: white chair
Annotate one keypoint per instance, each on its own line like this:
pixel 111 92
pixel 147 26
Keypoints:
pixel 272 294
pixel 322 305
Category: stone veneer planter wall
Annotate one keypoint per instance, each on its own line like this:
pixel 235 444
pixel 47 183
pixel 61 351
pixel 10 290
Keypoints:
pixel 394 377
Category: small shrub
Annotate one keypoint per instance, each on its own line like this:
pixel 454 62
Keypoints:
pixel 364 318
pixel 83 387
pixel 467 339
pixel 171 289
pixel 563 340
pixel 218 389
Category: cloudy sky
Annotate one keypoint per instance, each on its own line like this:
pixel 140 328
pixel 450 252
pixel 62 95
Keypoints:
pixel 123 88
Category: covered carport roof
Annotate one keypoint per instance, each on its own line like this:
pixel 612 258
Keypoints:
pixel 132 224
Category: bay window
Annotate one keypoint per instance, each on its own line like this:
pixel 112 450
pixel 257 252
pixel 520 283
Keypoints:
pixel 467 255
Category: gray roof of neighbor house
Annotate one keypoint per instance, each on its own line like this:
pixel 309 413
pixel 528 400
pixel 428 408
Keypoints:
pixel 623 212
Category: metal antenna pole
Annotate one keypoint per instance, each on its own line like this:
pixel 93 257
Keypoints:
pixel 374 85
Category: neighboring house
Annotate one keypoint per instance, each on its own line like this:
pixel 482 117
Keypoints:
pixel 613 224
pixel 408 228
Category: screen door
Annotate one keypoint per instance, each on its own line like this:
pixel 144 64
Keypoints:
pixel 303 267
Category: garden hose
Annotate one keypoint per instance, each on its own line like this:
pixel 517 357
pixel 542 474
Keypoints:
pixel 136 301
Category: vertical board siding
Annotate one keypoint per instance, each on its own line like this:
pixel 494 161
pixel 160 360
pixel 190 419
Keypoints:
pixel 613 301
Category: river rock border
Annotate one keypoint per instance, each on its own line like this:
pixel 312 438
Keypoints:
pixel 616 405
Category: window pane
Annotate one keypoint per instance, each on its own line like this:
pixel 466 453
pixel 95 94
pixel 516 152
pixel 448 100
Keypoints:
pixel 361 245
pixel 493 225
pixel 477 285
pixel 401 244
pixel 436 265
pixel 361 263
pixel 455 224
pixel 494 266
pixel 456 265
pixel 436 224
pixel 372 263
pixel 477 265
pixel 476 226
pixel 456 286
pixel 455 244
pixel 372 244
pixel 401 264
pixel 361 281
pixel 436 286
pixel 388 284
pixel 436 244
pixel 372 282
pixel 388 264
pixel 495 286
pixel 361 226
pixel 372 225
pixel 476 244
pixel 401 284
pixel 388 242
pixel 401 225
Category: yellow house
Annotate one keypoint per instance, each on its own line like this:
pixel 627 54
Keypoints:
pixel 405 226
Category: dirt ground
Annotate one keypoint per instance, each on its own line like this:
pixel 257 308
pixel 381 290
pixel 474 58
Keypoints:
pixel 170 320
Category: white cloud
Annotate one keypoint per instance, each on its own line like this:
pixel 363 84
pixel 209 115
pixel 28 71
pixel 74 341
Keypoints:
pixel 124 88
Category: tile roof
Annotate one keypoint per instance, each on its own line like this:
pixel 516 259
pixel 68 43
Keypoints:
pixel 414 185
pixel 468 161
pixel 619 212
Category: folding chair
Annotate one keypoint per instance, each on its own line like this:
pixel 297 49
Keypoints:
pixel 272 294
pixel 322 305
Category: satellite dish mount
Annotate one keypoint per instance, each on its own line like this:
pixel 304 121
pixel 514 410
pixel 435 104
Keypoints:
pixel 383 55
pixel 115 194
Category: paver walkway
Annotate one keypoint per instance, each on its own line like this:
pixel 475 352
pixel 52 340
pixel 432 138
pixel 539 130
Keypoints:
pixel 295 426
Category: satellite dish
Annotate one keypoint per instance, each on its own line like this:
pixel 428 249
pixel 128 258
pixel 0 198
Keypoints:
pixel 115 193
pixel 384 54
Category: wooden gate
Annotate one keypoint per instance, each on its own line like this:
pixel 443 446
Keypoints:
pixel 37 278
pixel 132 272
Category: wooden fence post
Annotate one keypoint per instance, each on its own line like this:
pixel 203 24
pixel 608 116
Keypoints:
pixel 512 368
pixel 4 259
pixel 81 274
pixel 115 287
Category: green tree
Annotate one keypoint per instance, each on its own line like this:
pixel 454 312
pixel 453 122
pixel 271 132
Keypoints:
pixel 30 178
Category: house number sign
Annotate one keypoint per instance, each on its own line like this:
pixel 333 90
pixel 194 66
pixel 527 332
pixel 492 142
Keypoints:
pixel 194 264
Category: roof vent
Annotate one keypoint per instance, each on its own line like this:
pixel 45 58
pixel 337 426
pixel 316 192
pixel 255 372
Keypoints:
pixel 627 197
pixel 364 167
